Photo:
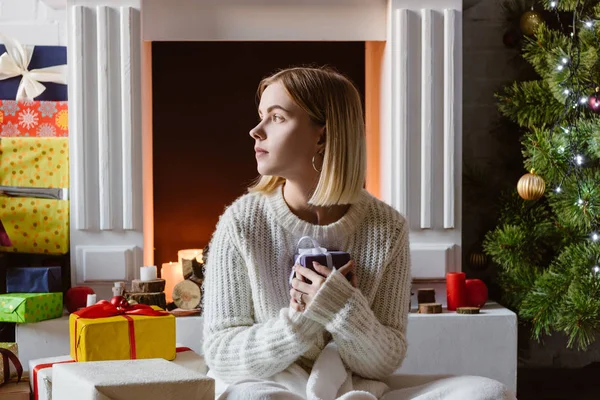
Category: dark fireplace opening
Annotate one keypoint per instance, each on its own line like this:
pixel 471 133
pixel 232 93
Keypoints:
pixel 204 105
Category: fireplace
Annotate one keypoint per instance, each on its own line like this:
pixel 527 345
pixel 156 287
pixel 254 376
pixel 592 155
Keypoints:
pixel 127 57
pixel 202 153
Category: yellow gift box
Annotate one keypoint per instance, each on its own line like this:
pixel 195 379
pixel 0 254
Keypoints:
pixel 34 182
pixel 35 225
pixel 34 162
pixel 122 337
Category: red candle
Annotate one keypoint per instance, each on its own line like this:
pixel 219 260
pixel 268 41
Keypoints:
pixel 456 290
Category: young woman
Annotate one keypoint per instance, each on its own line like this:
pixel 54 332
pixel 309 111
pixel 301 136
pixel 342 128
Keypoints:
pixel 262 336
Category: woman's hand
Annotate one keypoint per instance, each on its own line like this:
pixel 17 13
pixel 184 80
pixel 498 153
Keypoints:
pixel 303 292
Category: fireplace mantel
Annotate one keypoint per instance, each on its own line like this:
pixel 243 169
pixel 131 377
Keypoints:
pixel 420 117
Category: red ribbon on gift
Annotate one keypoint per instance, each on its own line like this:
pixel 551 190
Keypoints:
pixel 4 239
pixel 182 349
pixel 105 309
pixel 10 356
pixel 37 369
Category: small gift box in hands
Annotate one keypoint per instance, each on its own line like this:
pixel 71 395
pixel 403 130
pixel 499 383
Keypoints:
pixel 330 259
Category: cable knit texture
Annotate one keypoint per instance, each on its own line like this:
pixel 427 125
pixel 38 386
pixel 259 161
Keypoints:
pixel 249 329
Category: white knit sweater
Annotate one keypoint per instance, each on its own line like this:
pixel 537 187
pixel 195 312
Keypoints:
pixel 249 329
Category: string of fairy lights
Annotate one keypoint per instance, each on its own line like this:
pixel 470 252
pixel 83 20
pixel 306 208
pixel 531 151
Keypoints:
pixel 576 98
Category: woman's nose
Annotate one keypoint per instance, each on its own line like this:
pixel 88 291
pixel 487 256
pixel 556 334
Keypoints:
pixel 257 132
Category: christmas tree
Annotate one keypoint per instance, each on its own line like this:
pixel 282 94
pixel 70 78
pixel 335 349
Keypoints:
pixel 547 242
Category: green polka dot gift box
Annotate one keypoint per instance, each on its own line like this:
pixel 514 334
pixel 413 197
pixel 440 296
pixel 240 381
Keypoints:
pixel 30 307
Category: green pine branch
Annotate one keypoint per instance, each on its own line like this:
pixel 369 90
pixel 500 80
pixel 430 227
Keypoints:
pixel 565 297
pixel 589 6
pixel 545 49
pixel 529 104
pixel 577 206
pixel 547 153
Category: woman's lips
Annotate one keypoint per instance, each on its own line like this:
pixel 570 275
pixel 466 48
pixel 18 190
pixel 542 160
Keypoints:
pixel 260 152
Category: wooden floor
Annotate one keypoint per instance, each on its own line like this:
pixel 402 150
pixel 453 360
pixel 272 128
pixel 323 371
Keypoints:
pixel 559 383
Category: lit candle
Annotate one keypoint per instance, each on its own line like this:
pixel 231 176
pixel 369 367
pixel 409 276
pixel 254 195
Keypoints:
pixel 185 257
pixel 172 274
pixel 91 300
pixel 148 273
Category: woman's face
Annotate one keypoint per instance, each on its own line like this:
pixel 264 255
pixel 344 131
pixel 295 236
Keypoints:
pixel 285 138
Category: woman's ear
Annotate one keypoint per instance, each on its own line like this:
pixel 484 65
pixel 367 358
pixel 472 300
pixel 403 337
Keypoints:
pixel 322 136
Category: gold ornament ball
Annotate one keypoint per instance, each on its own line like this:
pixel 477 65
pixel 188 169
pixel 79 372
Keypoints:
pixel 530 21
pixel 478 260
pixel 531 186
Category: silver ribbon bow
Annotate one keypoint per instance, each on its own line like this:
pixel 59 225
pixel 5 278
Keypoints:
pixel 316 249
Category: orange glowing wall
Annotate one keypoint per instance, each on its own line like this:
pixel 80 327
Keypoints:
pixel 373 64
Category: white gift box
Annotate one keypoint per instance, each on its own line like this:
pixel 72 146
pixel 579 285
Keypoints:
pixel 40 376
pixel 149 379
pixel 40 370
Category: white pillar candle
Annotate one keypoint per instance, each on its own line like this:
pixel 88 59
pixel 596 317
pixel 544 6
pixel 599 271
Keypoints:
pixel 148 273
pixel 172 274
pixel 91 300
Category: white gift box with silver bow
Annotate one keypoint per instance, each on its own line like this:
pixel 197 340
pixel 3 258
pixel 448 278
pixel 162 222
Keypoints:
pixel 149 379
pixel 43 374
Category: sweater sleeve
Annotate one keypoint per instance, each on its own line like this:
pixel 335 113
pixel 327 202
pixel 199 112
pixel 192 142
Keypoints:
pixel 235 346
pixel 371 340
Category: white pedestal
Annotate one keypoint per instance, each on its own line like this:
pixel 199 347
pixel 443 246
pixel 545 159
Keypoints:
pixel 447 343
pixel 483 344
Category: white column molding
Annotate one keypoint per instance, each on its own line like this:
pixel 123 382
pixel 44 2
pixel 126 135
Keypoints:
pixel 427 114
pixel 105 183
pixel 422 144
pixel 80 174
pixel 398 180
pixel 130 30
pixel 104 93
pixel 452 27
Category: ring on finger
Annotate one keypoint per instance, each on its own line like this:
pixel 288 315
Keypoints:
pixel 299 298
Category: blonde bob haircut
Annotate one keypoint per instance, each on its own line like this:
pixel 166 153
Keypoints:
pixel 332 101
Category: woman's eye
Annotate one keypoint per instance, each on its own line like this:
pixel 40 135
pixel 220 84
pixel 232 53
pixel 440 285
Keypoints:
pixel 277 118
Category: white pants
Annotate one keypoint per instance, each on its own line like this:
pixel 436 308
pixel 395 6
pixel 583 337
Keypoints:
pixel 402 387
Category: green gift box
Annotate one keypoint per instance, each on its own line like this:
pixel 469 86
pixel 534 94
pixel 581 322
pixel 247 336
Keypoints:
pixel 30 307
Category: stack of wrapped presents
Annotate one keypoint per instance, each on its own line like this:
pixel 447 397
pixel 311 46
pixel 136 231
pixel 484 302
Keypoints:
pixel 34 149
pixel 122 351
pixel 118 350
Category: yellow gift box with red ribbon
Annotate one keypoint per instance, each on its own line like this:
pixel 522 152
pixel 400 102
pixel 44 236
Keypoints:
pixel 104 332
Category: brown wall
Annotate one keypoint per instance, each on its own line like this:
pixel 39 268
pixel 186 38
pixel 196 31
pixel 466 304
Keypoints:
pixel 204 106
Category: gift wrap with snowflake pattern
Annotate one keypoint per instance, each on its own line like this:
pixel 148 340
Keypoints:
pixel 35 222
pixel 34 118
